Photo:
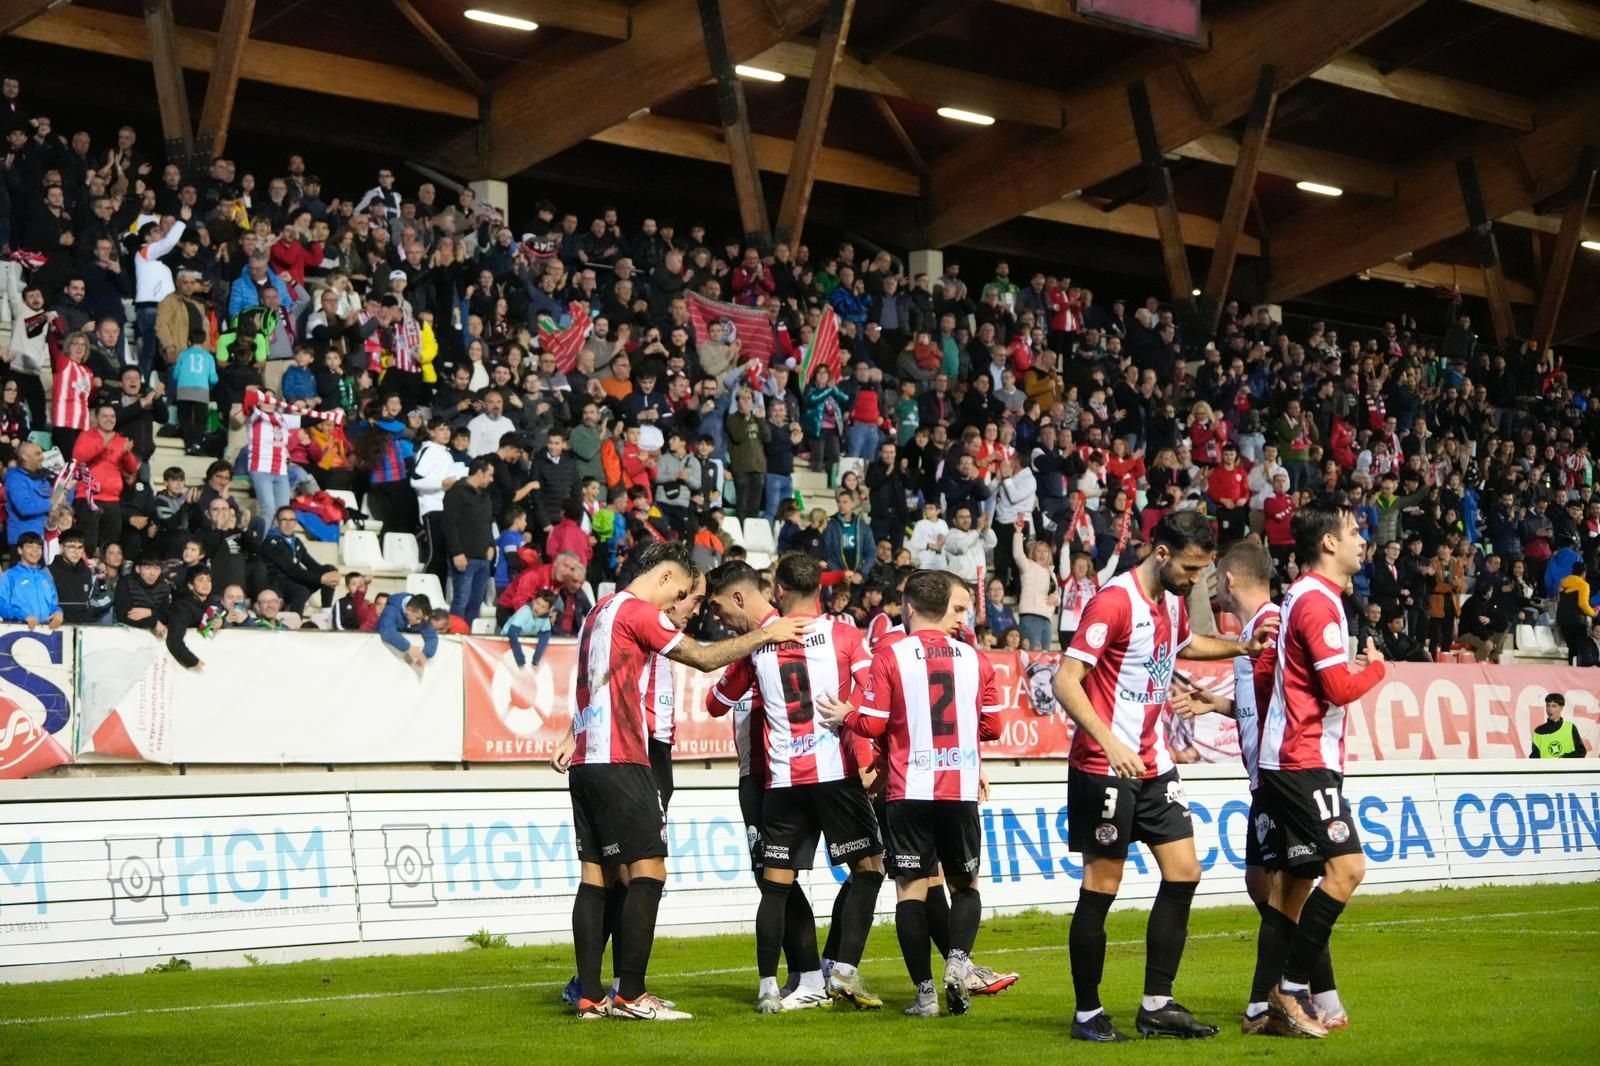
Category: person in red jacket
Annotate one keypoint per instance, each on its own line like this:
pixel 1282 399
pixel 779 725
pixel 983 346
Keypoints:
pixel 1229 488
pixel 1342 444
pixel 109 458
pixel 294 250
pixel 752 281
pixel 1280 509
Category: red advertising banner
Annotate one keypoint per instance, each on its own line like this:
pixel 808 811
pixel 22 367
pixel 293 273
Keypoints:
pixel 1421 711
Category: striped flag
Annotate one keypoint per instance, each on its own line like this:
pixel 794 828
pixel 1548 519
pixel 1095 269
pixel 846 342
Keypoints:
pixel 824 350
pixel 747 325
pixel 565 344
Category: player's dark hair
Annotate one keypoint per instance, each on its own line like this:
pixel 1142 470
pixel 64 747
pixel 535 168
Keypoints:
pixel 1181 530
pixel 665 553
pixel 1249 560
pixel 799 574
pixel 1317 519
pixel 927 592
pixel 730 574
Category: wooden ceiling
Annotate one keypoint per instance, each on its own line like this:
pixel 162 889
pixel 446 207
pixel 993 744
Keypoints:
pixel 1383 100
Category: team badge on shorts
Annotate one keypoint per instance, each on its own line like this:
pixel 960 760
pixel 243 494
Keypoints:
pixel 1338 832
pixel 1263 827
pixel 1105 833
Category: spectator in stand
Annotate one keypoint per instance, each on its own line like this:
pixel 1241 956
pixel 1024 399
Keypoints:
pixel 1228 486
pixel 1279 511
pixel 290 568
pixel 847 541
pixel 144 597
pixel 748 435
pixel 1575 614
pixel 27 590
pixel 433 472
pixel 469 535
pixel 353 612
pixel 559 480
pixel 194 609
pixel 409 613
pixel 965 544
pixel 783 439
pixel 30 493
pixel 1484 628
pixel 111 463
pixel 76 580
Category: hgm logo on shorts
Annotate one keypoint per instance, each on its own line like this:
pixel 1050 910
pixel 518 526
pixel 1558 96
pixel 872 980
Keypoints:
pixel 837 850
pixel 945 759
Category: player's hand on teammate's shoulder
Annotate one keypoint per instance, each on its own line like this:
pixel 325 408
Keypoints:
pixel 1124 761
pixel 789 627
pixel 1265 633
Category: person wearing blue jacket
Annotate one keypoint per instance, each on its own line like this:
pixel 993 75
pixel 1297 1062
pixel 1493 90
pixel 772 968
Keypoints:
pixel 409 613
pixel 847 542
pixel 28 493
pixel 246 290
pixel 194 376
pixel 27 591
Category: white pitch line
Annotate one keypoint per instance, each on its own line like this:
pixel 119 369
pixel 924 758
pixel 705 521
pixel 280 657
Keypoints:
pixel 511 986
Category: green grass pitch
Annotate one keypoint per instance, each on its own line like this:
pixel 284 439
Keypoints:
pixel 1457 975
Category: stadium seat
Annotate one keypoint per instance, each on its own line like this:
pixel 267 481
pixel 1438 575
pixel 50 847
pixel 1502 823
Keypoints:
pixel 400 552
pixel 359 549
pixel 427 585
pixel 731 530
pixel 758 536
pixel 759 560
pixel 604 589
pixel 851 462
pixel 483 627
pixel 345 496
pixel 588 590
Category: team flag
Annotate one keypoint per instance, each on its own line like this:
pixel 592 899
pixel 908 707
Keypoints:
pixel 565 344
pixel 747 325
pixel 824 349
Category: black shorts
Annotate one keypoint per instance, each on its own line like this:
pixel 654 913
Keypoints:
pixel 924 834
pixel 880 809
pixel 661 770
pixel 793 818
pixel 750 796
pixel 1263 843
pixel 1313 818
pixel 1105 814
pixel 616 813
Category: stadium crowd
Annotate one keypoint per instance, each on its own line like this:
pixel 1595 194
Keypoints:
pixel 408 345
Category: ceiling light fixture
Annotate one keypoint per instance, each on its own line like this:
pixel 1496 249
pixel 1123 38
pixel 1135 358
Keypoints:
pixel 1194 292
pixel 977 118
pixel 507 22
pixel 1320 190
pixel 757 73
pixel 1593 246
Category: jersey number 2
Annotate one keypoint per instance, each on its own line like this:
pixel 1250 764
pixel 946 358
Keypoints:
pixel 942 702
pixel 796 692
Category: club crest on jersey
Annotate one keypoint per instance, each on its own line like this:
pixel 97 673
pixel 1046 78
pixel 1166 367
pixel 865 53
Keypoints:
pixel 1095 635
pixel 1105 833
pixel 1333 636
pixel 1338 832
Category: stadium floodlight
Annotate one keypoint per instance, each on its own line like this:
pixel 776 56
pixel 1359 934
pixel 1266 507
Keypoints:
pixel 977 118
pixel 757 73
pixel 1593 246
pixel 1319 189
pixel 508 22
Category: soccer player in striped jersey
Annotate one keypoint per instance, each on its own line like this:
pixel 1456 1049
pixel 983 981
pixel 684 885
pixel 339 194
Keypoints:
pixel 1244 580
pixel 1114 681
pixel 935 699
pixel 1302 764
pixel 623 687
pixel 813 787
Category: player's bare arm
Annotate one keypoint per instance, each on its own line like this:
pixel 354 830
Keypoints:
pixel 1202 648
pixel 707 657
pixel 1124 761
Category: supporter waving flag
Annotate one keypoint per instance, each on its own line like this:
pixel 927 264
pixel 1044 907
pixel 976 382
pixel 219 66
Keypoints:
pixel 824 349
pixel 565 344
pixel 746 325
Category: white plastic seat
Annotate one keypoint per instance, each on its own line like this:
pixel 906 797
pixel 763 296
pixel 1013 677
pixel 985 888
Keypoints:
pixel 427 585
pixel 758 560
pixel 401 552
pixel 758 536
pixel 483 627
pixel 344 495
pixel 604 589
pixel 359 549
pixel 731 530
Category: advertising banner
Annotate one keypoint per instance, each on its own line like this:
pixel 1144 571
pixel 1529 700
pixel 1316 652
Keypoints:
pixel 270 698
pixel 36 699
pixel 95 880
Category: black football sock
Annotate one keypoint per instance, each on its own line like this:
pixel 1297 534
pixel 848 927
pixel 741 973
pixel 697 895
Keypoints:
pixel 800 933
pixel 965 911
pixel 939 918
pixel 1322 974
pixel 1317 919
pixel 1086 946
pixel 769 926
pixel 616 893
pixel 858 908
pixel 830 947
pixel 1272 949
pixel 636 935
pixel 911 927
pixel 589 939
pixel 1165 935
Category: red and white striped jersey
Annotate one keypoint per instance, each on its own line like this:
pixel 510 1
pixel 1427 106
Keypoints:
pixel 797 749
pixel 1252 689
pixel 878 627
pixel 624 684
pixel 935 698
pixel 747 728
pixel 71 392
pixel 269 440
pixel 1303 730
pixel 1130 644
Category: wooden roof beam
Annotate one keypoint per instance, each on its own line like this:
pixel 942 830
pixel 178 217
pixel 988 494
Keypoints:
pixel 747 191
pixel 14 14
pixel 1468 279
pixel 925 17
pixel 600 18
pixel 1241 191
pixel 468 76
pixel 1339 238
pixel 162 36
pixel 814 121
pixel 1351 71
pixel 970 193
pixel 1566 249
pixel 1569 16
pixel 282 65
pixel 1532 220
pixel 223 84
pixel 1297 162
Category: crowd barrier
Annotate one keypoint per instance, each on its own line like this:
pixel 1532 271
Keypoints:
pixel 103 875
pixel 97 694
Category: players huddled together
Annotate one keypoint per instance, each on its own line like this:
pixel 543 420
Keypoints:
pixel 871 743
